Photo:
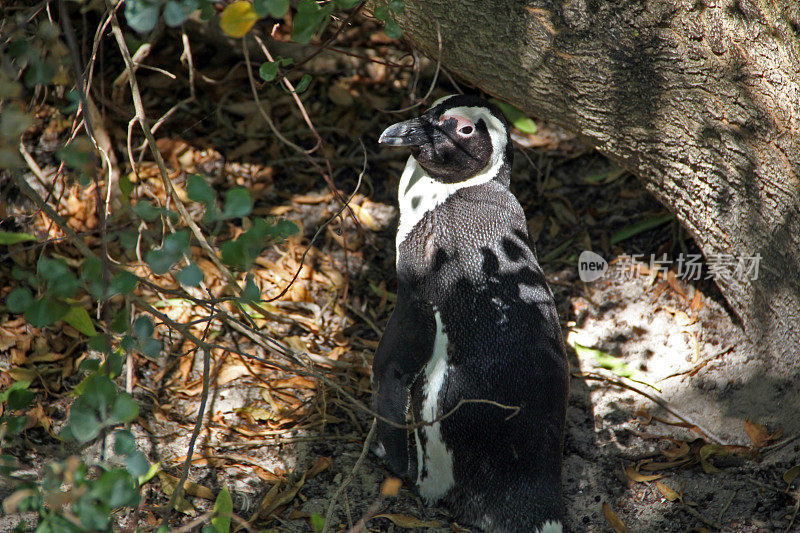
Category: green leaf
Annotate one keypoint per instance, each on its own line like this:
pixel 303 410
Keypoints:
pixel 39 72
pixel 175 245
pixel 274 8
pixel 7 238
pixel 303 84
pixel 17 385
pixel 51 269
pixel 98 343
pixel 93 515
pixel 604 360
pixel 307 19
pixel 121 320
pixel 398 6
pixel 123 283
pixel 191 275
pixel 79 318
pixel 392 29
pixel 143 327
pixel 142 15
pixel 282 230
pixel 223 509
pixel 516 117
pixel 268 70
pixel 83 424
pixel 19 300
pixel 116 488
pixel 199 190
pixel 150 348
pixel 639 227
pixel 381 13
pixel 150 474
pixel 78 154
pixel 98 394
pixel 251 291
pixel 137 464
pixel 45 311
pixel 124 443
pixel 125 409
pixel 317 522
pixel 14 424
pixel 146 211
pixel 19 399
pixel 113 363
pixel 238 203
pixel 175 13
pixel 14 121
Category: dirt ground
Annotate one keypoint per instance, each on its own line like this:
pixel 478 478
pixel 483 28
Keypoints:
pixel 669 394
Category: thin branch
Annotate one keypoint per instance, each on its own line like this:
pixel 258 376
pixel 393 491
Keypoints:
pixel 621 382
pixel 350 476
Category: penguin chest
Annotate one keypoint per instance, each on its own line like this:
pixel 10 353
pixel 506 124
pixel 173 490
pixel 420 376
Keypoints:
pixel 434 457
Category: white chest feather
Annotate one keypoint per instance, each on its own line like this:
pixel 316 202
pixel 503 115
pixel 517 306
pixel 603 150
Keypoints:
pixel 434 459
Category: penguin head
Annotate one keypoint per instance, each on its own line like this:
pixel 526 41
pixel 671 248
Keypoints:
pixel 460 138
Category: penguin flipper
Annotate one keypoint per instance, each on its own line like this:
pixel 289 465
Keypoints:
pixel 403 350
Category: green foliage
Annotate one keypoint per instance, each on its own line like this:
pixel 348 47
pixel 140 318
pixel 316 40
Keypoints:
pixel 308 18
pixel 273 8
pixel 223 509
pixel 516 117
pixel 175 245
pixel 240 253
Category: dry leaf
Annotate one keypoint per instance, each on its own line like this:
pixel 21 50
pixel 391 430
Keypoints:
pixel 697 301
pixel 169 482
pixel 320 465
pixel 231 372
pixel 759 434
pixel 613 520
pixel 669 493
pixel 790 475
pixel 402 520
pixel 641 478
pixel 391 486
pixel 675 452
pixel 673 283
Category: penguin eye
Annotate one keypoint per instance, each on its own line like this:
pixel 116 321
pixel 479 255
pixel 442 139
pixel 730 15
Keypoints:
pixel 466 130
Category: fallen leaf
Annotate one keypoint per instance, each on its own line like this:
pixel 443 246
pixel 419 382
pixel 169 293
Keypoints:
pixel 668 492
pixel 613 520
pixel 790 475
pixel 169 482
pixel 391 486
pixel 759 434
pixel 237 18
pixel 675 452
pixel 402 520
pixel 319 466
pixel 631 472
pixel 231 372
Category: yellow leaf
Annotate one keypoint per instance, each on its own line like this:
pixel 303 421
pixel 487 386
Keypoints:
pixel 668 492
pixel 406 521
pixel 237 18
pixel 636 476
pixel 391 487
pixel 613 520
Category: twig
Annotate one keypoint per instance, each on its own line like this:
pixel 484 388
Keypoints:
pixel 433 82
pixel 176 494
pixel 349 479
pixel 618 381
pixel 794 513
pixel 695 513
pixel 142 119
pixel 730 501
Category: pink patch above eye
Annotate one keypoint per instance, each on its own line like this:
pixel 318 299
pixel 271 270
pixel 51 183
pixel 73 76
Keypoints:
pixel 461 122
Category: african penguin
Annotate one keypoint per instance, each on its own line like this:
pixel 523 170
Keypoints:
pixel 470 374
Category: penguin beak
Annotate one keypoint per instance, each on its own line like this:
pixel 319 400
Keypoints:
pixel 408 133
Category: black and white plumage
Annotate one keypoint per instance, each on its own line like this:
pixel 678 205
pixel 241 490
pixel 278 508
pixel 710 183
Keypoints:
pixel 474 320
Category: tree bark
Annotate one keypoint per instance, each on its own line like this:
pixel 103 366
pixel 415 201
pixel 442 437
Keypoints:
pixel 699 98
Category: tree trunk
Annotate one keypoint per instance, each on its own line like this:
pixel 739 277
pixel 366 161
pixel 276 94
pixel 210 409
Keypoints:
pixel 699 98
